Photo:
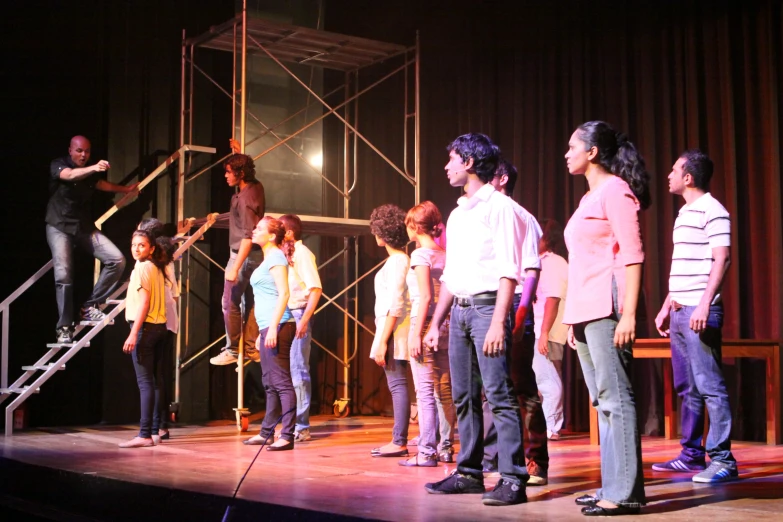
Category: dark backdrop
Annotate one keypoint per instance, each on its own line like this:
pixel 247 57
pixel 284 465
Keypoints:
pixel 673 75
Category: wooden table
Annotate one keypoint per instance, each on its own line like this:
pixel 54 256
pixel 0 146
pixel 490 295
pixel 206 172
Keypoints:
pixel 753 348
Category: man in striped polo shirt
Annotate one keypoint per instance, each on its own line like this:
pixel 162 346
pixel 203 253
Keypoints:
pixel 693 316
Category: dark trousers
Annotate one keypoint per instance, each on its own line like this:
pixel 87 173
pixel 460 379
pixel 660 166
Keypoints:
pixel 526 390
pixel 278 385
pixel 148 363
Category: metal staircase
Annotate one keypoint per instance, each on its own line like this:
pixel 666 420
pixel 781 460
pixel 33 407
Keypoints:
pixel 58 354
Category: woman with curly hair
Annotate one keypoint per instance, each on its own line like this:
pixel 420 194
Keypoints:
pixel 392 308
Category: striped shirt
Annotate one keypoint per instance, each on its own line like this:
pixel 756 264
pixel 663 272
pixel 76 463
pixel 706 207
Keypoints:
pixel 699 227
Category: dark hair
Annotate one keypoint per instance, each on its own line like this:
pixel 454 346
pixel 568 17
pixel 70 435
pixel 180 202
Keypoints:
pixel 619 156
pixel 275 227
pixel 388 223
pixel 425 218
pixel 243 165
pixel 480 148
pixel 158 256
pixel 553 237
pixel 699 166
pixel 152 225
pixel 506 168
pixel 165 244
pixel 293 223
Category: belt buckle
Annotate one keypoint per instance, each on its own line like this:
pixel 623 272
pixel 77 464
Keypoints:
pixel 463 301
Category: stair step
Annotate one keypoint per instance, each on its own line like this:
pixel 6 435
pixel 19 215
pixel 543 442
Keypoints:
pixel 94 323
pixel 58 346
pixel 42 367
pixel 115 301
pixel 18 390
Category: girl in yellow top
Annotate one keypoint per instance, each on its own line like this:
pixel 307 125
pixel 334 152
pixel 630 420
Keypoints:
pixel 145 311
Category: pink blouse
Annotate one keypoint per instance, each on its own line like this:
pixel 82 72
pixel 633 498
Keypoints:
pixel 603 237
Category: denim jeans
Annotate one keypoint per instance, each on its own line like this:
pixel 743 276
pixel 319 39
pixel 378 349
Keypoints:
pixel 94 242
pixel 300 372
pixel 470 368
pixel 161 416
pixel 397 379
pixel 147 359
pixel 526 391
pixel 433 389
pixel 606 370
pixel 698 379
pixel 550 384
pixel 276 376
pixel 238 304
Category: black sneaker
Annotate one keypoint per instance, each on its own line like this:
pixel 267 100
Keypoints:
pixel 64 335
pixel 505 494
pixel 454 484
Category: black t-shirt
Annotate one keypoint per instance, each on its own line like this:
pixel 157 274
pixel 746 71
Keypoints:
pixel 69 201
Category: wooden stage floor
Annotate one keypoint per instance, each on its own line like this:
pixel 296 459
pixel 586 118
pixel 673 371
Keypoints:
pixel 335 474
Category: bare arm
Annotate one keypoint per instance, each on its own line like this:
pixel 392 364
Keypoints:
pixel 494 342
pixel 528 291
pixel 551 306
pixel 106 186
pixel 445 299
pixel 280 274
pixel 83 172
pixel 242 252
pixel 138 322
pixel 425 298
pixel 312 301
pixel 662 319
pixel 720 265
pixel 625 333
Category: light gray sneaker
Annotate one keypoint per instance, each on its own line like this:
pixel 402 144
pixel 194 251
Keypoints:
pixel 717 472
pixel 225 357
pixel 302 435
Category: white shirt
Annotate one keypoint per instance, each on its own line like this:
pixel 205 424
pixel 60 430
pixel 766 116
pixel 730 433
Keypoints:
pixel 172 293
pixel 699 227
pixel 392 304
pixel 435 260
pixel 303 276
pixel 553 282
pixel 485 235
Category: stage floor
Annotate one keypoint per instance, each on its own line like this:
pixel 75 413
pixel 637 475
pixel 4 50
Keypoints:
pixel 334 473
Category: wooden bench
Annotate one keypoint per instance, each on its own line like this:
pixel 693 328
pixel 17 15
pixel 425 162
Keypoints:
pixel 752 348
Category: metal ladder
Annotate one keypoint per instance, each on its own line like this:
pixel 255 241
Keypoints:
pixel 49 364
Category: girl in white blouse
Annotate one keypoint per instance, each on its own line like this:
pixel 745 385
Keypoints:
pixel 392 309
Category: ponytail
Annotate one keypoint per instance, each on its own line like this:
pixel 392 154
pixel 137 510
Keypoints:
pixel 619 156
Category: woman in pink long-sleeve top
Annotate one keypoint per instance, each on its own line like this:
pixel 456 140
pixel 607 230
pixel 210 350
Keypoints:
pixel 604 278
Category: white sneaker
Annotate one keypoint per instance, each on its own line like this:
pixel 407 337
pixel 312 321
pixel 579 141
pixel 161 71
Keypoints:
pixel 303 435
pixel 223 358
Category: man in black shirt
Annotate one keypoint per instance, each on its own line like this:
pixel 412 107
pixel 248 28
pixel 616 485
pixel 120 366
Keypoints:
pixel 247 209
pixel 71 185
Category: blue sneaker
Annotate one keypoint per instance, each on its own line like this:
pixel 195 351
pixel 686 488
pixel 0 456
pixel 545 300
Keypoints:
pixel 679 465
pixel 718 472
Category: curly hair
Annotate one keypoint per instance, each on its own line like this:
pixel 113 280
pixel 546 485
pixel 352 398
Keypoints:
pixel 243 165
pixel 388 223
pixel 159 256
pixel 424 218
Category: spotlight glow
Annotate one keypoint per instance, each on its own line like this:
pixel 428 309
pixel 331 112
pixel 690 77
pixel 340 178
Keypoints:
pixel 317 160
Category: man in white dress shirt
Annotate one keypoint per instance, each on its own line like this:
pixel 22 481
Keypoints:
pixel 483 266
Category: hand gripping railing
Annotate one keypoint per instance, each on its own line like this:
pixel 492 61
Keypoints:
pixel 5 305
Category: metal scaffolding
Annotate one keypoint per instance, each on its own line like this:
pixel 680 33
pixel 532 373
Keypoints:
pixel 286 44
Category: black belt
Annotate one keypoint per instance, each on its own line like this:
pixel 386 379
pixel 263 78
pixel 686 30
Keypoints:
pixel 486 298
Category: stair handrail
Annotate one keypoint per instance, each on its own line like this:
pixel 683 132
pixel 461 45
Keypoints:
pixel 6 304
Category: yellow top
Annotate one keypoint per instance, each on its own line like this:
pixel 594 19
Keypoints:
pixel 149 277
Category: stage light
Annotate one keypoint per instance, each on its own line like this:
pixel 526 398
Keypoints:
pixel 317 160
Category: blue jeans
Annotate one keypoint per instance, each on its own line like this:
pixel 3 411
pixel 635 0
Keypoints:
pixel 397 379
pixel 148 363
pixel 470 368
pixel 698 379
pixel 526 390
pixel 300 372
pixel 606 370
pixel 276 376
pixel 94 242
pixel 238 304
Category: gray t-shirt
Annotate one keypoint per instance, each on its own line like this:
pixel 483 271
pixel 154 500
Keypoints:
pixel 247 209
